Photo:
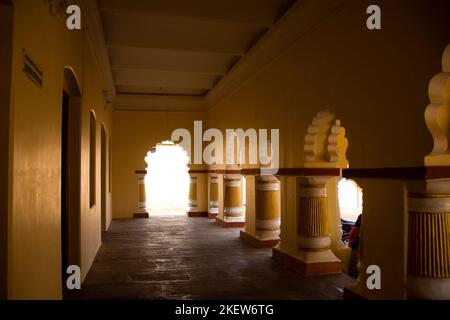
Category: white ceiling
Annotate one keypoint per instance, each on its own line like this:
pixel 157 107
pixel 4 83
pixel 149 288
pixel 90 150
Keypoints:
pixel 181 47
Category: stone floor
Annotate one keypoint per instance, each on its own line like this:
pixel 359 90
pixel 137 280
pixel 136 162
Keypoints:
pixel 175 257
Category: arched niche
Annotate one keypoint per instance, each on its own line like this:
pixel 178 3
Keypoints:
pixel 71 82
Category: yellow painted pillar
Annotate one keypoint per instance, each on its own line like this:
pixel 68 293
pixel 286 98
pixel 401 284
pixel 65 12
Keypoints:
pixel 313 255
pixel 213 209
pixel 142 199
pixel 192 202
pixel 266 231
pixel 429 245
pixel 314 238
pixel 233 215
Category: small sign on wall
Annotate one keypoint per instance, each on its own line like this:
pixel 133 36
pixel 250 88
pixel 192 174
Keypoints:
pixel 33 72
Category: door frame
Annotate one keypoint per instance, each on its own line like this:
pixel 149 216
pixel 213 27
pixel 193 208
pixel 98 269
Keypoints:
pixel 71 178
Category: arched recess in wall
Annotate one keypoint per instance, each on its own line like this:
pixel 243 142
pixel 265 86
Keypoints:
pixel 92 158
pixel 104 176
pixel 70 171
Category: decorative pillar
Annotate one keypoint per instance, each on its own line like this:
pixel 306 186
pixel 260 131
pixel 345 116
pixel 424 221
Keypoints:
pixel 429 206
pixel 142 204
pixel 213 209
pixel 266 231
pixel 313 231
pixel 307 250
pixel 192 202
pixel 429 245
pixel 198 194
pixel 234 216
pixel 313 256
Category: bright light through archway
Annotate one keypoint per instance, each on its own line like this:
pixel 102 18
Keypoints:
pixel 167 179
pixel 350 197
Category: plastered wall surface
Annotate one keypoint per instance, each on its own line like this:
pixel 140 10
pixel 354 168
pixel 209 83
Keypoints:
pixel 34 243
pixel 375 81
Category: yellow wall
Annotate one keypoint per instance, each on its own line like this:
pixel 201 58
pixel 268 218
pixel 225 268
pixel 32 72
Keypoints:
pixel 375 81
pixel 34 218
pixel 135 133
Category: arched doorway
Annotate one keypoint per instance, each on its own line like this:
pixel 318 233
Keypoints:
pixel 167 179
pixel 70 173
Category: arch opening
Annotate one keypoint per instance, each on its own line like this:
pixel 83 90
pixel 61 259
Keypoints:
pixel 350 199
pixel 167 179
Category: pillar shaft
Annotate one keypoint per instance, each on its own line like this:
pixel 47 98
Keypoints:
pixel 268 208
pixel 192 203
pixel 312 228
pixel 312 255
pixel 233 205
pixel 142 199
pixel 429 245
pixel 213 208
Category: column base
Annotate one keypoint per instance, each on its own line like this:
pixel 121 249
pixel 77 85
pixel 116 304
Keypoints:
pixel 428 288
pixel 197 214
pixel 256 242
pixel 230 224
pixel 141 215
pixel 212 215
pixel 310 263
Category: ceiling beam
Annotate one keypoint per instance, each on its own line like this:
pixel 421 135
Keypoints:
pixel 124 89
pixel 165 70
pixel 151 78
pixel 171 60
pixel 257 12
pixel 156 102
pixel 97 39
pixel 179 34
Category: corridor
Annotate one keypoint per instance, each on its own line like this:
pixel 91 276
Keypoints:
pixel 321 127
pixel 174 257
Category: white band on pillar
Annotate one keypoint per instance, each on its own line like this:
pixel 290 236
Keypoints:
pixel 234 210
pixel 213 210
pixel 232 183
pixel 234 219
pixel 269 225
pixel 267 235
pixel 268 186
pixel 314 243
pixel 428 204
pixel 309 192
pixel 214 203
